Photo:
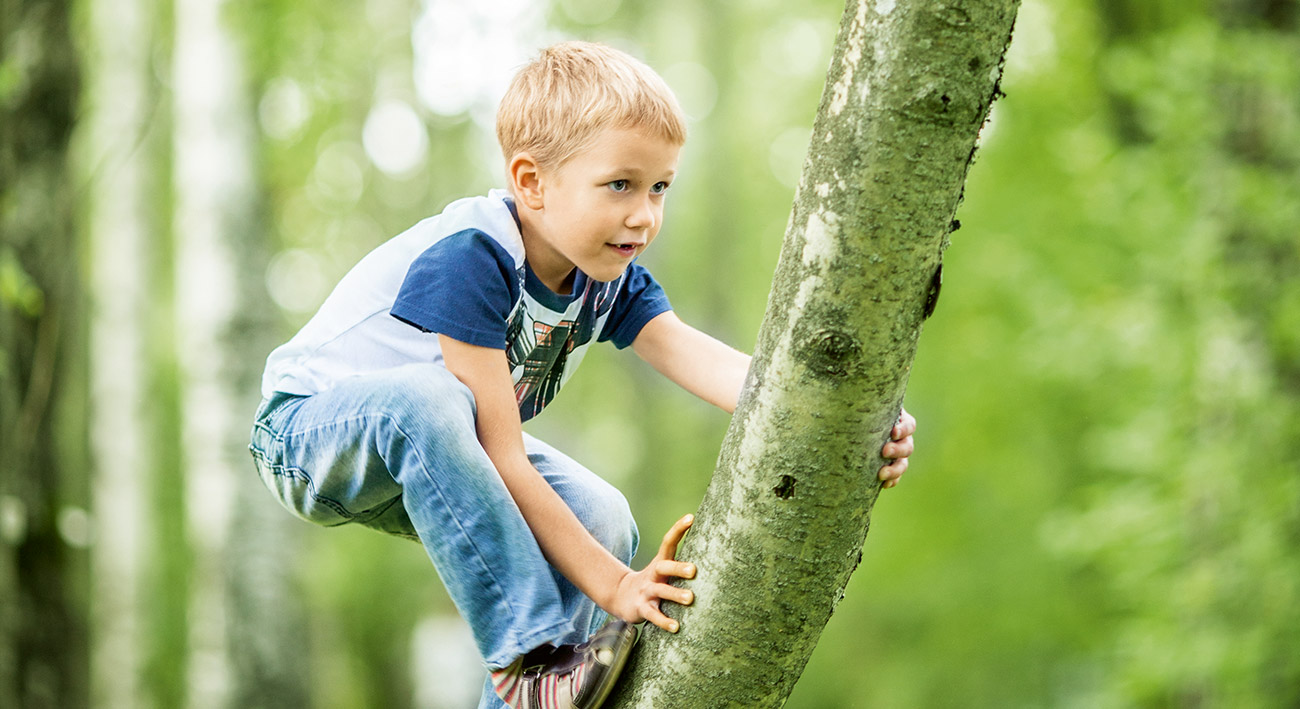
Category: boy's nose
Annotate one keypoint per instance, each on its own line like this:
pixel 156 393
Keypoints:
pixel 642 217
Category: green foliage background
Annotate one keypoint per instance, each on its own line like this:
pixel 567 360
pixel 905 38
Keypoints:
pixel 1104 505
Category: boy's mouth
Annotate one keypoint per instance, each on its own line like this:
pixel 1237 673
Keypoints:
pixel 624 249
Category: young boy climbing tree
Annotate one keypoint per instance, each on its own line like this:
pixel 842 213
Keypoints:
pixel 399 405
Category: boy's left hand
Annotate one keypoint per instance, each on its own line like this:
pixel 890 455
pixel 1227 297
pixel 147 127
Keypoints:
pixel 897 449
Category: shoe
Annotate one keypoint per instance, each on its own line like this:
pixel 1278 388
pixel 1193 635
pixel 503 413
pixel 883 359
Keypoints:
pixel 569 676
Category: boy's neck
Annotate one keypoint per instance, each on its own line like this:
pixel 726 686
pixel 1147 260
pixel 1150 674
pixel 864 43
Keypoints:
pixel 552 269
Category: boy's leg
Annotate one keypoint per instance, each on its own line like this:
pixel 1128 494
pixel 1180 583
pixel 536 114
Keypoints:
pixel 407 436
pixel 604 511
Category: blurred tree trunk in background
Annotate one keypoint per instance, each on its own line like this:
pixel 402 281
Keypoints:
pixel 1262 106
pixel 245 635
pixel 1214 621
pixel 123 152
pixel 186 584
pixel 43 659
pixel 782 525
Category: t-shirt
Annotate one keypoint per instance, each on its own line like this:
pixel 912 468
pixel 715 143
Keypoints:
pixel 463 274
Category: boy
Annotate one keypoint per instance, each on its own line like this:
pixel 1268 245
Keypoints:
pixel 399 405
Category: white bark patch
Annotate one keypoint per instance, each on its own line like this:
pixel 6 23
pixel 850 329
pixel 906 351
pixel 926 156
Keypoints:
pixel 823 190
pixel 752 451
pixel 884 7
pixel 851 58
pixel 818 238
pixel 806 290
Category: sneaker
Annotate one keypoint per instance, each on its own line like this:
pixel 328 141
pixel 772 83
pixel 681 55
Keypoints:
pixel 570 676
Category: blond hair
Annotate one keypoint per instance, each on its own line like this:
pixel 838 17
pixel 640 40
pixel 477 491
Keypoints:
pixel 558 102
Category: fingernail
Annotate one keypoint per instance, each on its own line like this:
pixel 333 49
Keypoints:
pixel 672 627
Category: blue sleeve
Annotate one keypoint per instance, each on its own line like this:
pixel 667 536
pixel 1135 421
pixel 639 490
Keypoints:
pixel 640 298
pixel 464 286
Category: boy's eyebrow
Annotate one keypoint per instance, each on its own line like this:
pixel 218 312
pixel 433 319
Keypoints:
pixel 616 173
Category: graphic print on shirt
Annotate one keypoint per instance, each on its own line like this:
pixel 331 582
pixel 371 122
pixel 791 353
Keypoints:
pixel 544 350
pixel 539 352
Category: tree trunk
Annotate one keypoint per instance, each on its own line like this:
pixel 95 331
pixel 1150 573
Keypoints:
pixel 121 165
pixel 245 640
pixel 783 521
pixel 42 423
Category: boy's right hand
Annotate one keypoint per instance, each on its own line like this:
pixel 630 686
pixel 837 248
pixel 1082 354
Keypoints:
pixel 639 592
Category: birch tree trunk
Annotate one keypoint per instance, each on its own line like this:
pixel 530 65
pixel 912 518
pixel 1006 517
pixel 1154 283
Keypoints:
pixel 120 161
pixel 245 641
pixel 782 524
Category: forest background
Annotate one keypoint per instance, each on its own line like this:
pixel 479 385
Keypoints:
pixel 1104 505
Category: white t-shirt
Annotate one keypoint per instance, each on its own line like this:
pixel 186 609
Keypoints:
pixel 462 273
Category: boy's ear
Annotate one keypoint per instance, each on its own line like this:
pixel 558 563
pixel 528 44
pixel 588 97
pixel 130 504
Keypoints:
pixel 526 178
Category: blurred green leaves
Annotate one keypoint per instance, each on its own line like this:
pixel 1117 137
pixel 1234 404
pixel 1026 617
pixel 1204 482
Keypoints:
pixel 18 290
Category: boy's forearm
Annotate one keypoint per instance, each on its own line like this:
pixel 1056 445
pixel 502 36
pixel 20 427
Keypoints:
pixel 731 366
pixel 564 541
pixel 694 360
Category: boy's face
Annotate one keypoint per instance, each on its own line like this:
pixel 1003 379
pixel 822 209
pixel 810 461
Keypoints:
pixel 602 207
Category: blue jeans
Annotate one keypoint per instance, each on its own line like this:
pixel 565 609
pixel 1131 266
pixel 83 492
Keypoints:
pixel 396 451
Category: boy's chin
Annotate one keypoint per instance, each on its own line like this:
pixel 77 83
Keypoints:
pixel 608 275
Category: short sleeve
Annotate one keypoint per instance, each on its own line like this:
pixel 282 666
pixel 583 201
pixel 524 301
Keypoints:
pixel 464 286
pixel 640 298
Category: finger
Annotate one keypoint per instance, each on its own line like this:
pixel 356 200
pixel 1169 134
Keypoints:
pixel 668 549
pixel 656 616
pixel 905 427
pixel 898 449
pixel 678 569
pixel 681 596
pixel 893 471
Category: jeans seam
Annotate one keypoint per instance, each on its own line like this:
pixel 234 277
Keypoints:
pixel 298 474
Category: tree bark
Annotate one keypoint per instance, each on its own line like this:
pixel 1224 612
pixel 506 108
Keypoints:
pixel 782 524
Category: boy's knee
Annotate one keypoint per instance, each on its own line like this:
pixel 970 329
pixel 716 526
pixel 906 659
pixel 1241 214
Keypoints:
pixel 632 539
pixel 614 527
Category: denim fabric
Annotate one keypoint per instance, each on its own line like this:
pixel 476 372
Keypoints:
pixel 396 450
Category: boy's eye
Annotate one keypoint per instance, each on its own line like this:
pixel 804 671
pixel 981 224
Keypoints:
pixel 659 188
pixel 618 185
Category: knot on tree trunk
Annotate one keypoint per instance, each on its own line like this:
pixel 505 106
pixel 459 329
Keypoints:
pixel 828 352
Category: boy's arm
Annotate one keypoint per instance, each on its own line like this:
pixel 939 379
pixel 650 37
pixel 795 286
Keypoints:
pixel 693 360
pixel 630 595
pixel 716 372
